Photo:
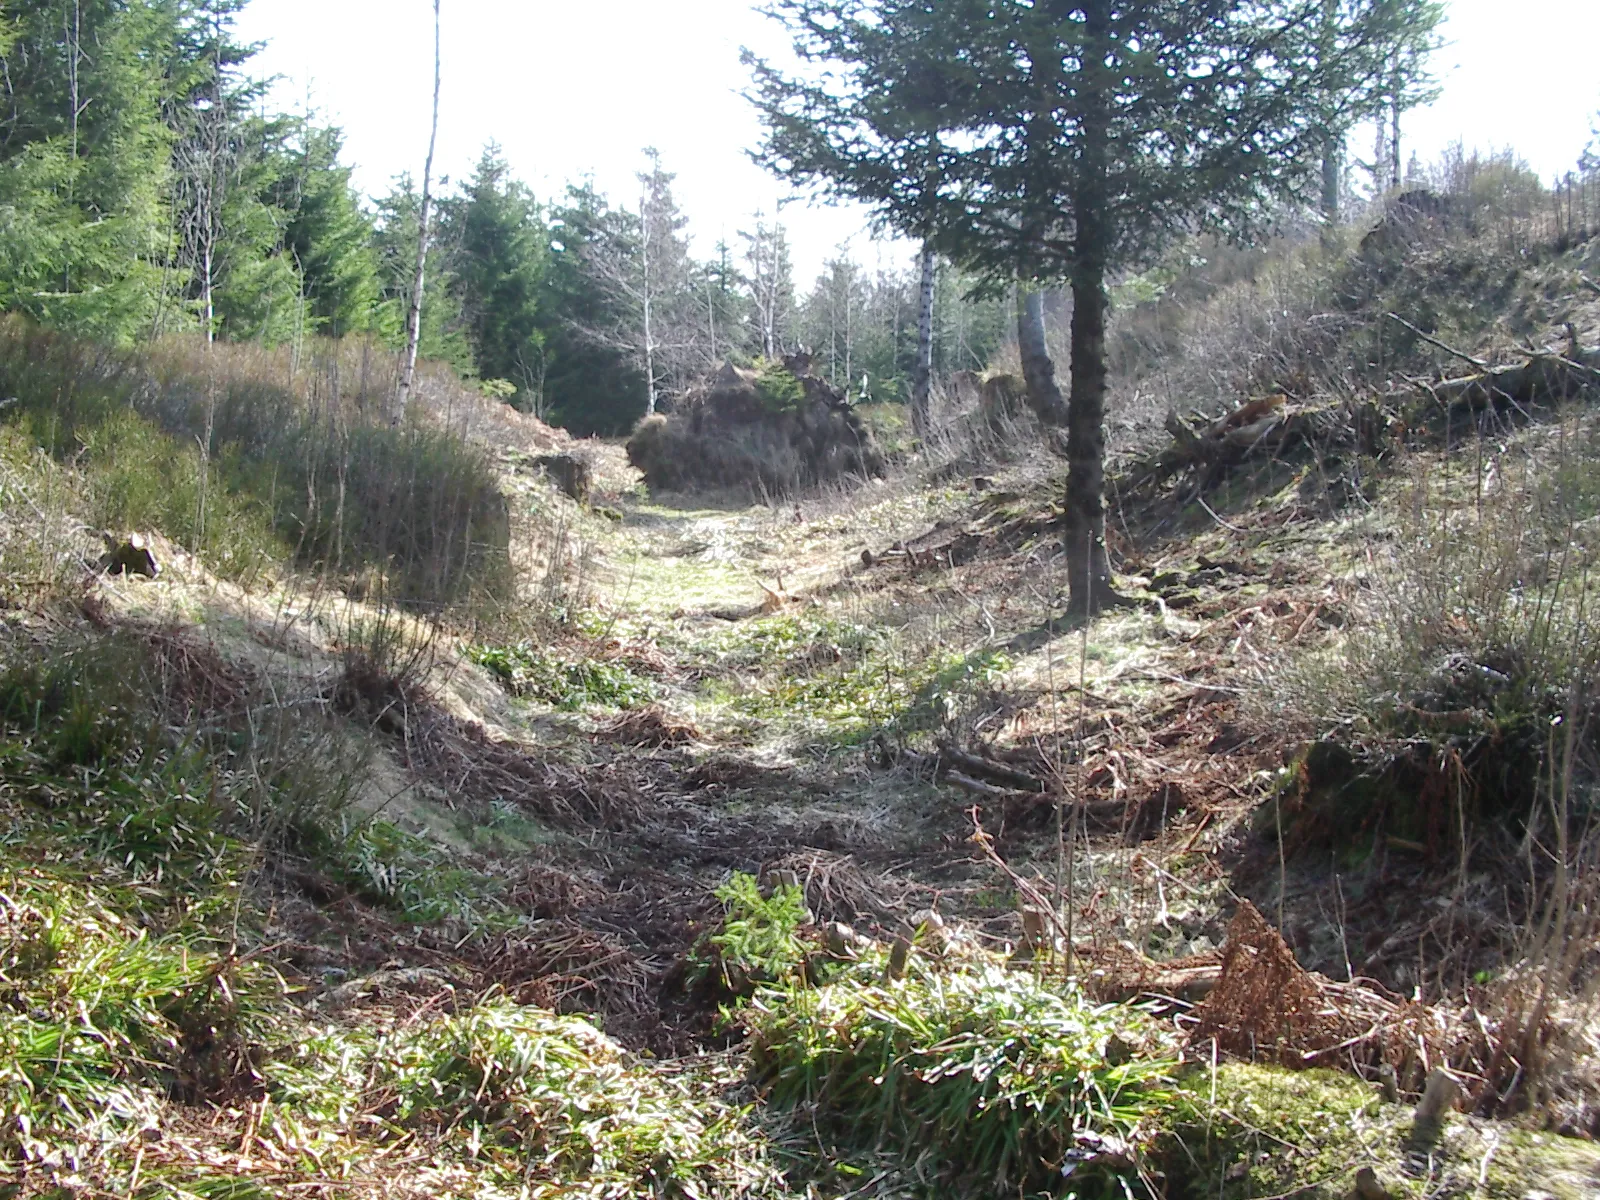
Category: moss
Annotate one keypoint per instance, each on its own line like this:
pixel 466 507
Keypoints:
pixel 1273 1132
pixel 1270 1131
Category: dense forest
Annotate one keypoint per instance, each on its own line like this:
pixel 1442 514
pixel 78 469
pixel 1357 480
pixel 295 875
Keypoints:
pixel 147 188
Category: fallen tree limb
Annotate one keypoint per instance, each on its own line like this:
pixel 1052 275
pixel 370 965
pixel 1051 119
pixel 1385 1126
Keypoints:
pixel 1433 341
pixel 973 765
pixel 1266 428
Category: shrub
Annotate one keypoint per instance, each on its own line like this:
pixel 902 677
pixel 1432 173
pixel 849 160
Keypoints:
pixel 758 941
pixel 1475 635
pixel 221 450
pixel 778 388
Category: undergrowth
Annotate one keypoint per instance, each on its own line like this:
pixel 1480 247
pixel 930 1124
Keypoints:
pixel 848 679
pixel 568 681
pixel 527 1099
pixel 250 468
pixel 993 1082
pixel 758 942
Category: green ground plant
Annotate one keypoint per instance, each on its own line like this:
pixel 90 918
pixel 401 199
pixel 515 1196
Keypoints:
pixel 410 876
pixel 758 942
pixel 528 1097
pixel 567 680
pixel 994 1082
pixel 849 679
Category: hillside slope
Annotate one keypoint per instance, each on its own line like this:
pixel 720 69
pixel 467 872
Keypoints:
pixel 805 850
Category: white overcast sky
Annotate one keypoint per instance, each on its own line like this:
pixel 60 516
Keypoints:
pixel 572 90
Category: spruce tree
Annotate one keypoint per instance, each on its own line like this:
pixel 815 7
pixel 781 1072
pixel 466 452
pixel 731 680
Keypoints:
pixel 83 160
pixel 498 247
pixel 591 385
pixel 1071 139
pixel 328 234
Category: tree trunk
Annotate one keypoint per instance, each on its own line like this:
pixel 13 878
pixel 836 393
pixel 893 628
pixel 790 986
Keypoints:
pixel 1088 564
pixel 1038 371
pixel 649 332
pixel 1396 171
pixel 922 376
pixel 408 370
pixel 1332 179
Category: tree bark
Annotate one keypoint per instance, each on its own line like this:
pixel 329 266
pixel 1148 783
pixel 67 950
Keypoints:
pixel 922 376
pixel 1396 170
pixel 647 299
pixel 1332 178
pixel 1038 370
pixel 408 370
pixel 1088 564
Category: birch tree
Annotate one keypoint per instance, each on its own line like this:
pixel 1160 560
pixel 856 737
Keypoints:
pixel 419 277
pixel 656 311
pixel 771 282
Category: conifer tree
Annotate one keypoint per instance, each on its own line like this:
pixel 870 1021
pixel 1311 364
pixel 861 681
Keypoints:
pixel 1071 139
pixel 498 247
pixel 441 328
pixel 590 383
pixel 83 160
pixel 327 233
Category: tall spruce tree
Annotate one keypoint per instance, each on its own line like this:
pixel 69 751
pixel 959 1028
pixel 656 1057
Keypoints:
pixel 328 234
pixel 1074 138
pixel 498 247
pixel 591 385
pixel 83 160
pixel 442 333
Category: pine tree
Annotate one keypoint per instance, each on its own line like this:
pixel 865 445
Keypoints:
pixel 653 306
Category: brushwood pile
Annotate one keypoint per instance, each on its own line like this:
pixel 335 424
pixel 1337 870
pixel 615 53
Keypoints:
pixel 773 428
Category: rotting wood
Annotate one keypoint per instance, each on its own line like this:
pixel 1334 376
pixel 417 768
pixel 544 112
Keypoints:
pixel 977 787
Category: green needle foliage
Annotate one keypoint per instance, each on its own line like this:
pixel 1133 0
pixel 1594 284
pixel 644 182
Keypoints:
pixel 759 939
pixel 992 1080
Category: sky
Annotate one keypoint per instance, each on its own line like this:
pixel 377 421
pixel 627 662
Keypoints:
pixel 572 90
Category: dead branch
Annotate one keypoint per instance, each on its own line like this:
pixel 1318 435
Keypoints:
pixel 973 765
pixel 1433 341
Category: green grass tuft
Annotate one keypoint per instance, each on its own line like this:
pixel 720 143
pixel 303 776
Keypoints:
pixel 991 1081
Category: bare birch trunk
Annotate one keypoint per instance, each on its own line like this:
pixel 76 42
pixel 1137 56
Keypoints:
pixel 1396 171
pixel 414 315
pixel 1038 370
pixel 649 332
pixel 922 376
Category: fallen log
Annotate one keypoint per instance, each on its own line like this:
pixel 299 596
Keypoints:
pixel 973 765
pixel 1270 427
